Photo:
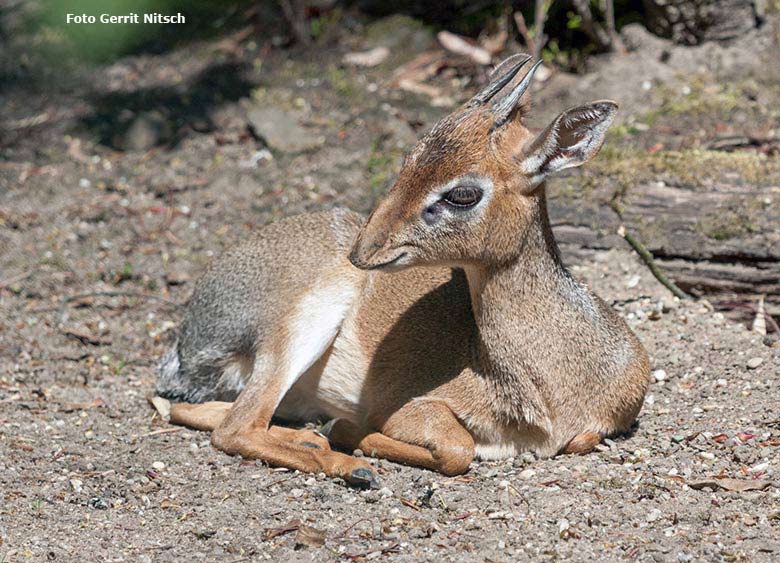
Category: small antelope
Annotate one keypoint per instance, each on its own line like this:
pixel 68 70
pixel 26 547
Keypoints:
pixel 479 343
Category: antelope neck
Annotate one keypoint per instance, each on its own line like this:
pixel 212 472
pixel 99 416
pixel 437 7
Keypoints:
pixel 510 301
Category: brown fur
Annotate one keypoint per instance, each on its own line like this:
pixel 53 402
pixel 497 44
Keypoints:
pixel 490 349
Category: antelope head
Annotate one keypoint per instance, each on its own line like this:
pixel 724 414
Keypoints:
pixel 468 190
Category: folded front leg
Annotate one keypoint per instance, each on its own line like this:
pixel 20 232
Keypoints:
pixel 422 433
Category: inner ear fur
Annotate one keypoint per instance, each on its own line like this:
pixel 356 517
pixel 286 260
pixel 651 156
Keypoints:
pixel 573 138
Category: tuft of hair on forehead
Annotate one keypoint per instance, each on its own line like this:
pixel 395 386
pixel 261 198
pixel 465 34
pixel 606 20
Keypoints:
pixel 452 135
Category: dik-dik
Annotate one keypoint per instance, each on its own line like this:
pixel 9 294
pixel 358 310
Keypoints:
pixel 442 329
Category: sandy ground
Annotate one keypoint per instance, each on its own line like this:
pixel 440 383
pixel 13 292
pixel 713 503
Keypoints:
pixel 89 473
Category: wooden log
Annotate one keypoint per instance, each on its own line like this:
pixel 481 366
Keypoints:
pixel 722 242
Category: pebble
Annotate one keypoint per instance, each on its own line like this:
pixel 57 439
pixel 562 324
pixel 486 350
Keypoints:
pixel 753 363
pixel 384 492
pixel 660 375
pixel 654 515
pixel 633 282
pixel 758 468
pixel 297 493
pixel 503 484
pixel 527 474
pixel 158 465
pixel 708 456
pixel 76 485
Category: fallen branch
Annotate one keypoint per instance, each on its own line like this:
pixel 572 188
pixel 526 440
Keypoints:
pixel 648 259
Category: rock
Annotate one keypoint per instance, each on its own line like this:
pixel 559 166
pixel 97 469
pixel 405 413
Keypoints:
pixel 158 466
pixel 98 503
pixel 147 130
pixel 660 375
pixel 384 492
pixel 654 515
pixel 633 282
pixel 527 474
pixel 76 485
pixel 280 130
pixel 753 363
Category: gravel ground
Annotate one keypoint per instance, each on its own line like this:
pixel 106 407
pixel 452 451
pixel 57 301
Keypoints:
pixel 88 472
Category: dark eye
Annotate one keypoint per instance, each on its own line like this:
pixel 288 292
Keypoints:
pixel 463 196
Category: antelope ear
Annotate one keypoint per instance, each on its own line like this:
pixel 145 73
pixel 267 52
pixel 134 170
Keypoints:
pixel 573 138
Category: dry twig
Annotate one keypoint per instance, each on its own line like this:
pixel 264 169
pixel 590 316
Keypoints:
pixel 648 259
pixel 606 40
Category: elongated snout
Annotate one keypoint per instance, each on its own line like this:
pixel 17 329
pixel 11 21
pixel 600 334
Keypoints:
pixel 374 247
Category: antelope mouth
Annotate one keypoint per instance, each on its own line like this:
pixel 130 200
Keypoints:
pixel 390 264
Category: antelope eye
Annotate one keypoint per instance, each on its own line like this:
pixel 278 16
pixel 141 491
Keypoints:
pixel 463 196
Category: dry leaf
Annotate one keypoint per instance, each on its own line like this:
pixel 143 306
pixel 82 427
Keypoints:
pixel 728 484
pixel 162 406
pixel 291 526
pixel 310 536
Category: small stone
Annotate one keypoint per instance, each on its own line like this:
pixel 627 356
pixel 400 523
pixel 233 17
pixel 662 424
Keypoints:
pixel 654 515
pixel 501 544
pixel 707 456
pixel 527 474
pixel 753 363
pixel 76 485
pixel 654 315
pixel 503 484
pixel 358 452
pixel 193 447
pixel 758 468
pixel 633 282
pixel 98 503
pixel 297 493
pixel 384 492
pixel 176 278
pixel 149 129
pixel 158 466
pixel 660 375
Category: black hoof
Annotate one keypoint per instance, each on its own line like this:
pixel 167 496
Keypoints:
pixel 363 478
